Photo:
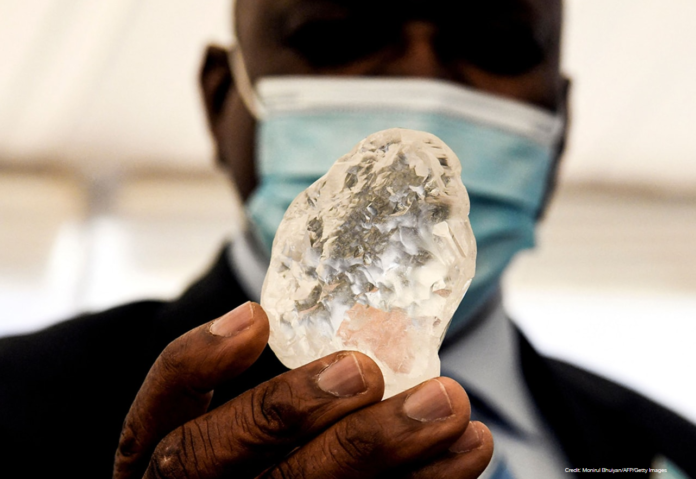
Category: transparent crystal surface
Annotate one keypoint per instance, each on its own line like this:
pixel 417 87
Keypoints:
pixel 375 256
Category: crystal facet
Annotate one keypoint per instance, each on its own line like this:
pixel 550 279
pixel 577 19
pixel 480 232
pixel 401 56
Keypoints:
pixel 375 256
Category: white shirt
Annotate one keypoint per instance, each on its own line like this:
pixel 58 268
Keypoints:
pixel 486 362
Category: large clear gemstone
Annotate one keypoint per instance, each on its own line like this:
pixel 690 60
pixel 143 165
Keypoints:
pixel 375 256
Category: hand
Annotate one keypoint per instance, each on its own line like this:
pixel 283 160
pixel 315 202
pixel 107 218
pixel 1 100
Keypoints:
pixel 324 419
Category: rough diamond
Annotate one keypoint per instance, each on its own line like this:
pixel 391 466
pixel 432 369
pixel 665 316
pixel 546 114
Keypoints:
pixel 375 256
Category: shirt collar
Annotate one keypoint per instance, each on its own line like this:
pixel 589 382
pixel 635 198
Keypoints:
pixel 248 263
pixel 486 361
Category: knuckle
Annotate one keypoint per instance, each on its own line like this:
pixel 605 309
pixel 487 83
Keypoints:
pixel 274 412
pixel 188 448
pixel 172 359
pixel 358 442
pixel 131 450
pixel 167 460
pixel 128 443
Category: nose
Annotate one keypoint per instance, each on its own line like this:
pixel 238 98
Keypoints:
pixel 416 56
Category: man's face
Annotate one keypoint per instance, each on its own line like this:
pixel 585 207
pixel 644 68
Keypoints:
pixel 504 47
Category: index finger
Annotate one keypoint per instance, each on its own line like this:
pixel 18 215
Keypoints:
pixel 180 384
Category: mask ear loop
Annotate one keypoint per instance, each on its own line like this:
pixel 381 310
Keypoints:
pixel 558 150
pixel 243 84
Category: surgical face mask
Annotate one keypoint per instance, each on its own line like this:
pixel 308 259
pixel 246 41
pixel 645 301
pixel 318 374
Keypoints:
pixel 506 149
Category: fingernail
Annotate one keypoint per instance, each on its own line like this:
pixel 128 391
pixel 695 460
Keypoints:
pixel 343 378
pixel 470 440
pixel 429 402
pixel 233 322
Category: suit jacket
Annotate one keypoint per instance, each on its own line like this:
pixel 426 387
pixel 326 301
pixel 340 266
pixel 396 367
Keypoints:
pixel 65 391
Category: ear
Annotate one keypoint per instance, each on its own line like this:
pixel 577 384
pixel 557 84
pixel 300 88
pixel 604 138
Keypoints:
pixel 552 178
pixel 215 80
pixel 231 126
pixel 565 112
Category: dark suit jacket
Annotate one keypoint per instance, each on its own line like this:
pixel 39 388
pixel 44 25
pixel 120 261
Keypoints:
pixel 65 391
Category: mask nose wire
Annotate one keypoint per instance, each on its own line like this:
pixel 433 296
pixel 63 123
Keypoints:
pixel 243 84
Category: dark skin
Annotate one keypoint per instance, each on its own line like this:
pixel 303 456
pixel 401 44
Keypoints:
pixel 413 50
pixel 310 422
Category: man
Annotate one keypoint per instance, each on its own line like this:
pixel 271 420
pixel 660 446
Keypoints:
pixel 67 390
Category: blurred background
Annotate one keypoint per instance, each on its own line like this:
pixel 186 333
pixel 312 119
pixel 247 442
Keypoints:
pixel 109 192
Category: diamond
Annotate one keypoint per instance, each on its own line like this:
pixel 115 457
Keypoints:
pixel 375 256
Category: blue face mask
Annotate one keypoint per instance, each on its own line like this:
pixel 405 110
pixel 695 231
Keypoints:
pixel 506 149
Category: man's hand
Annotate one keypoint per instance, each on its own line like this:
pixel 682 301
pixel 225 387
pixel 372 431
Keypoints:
pixel 322 420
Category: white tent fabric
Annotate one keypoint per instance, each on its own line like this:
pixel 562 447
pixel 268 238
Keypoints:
pixel 105 85
pixel 634 69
